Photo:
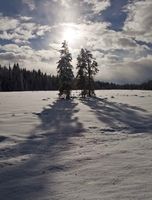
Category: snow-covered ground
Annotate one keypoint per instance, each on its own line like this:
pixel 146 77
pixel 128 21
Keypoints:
pixel 98 148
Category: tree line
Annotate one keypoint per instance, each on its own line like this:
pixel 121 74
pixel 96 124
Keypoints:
pixel 20 79
pixel 99 85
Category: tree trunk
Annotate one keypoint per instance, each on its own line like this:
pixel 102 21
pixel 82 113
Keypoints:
pixel 89 73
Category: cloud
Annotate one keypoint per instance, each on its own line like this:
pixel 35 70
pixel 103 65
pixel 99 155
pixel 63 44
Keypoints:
pixel 30 4
pixel 25 18
pixel 136 71
pixel 28 52
pixel 11 56
pixel 21 29
pixel 28 57
pixel 7 23
pixel 98 5
pixel 139 21
pixel 65 3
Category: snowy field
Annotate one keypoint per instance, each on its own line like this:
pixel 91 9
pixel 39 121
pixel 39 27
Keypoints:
pixel 94 149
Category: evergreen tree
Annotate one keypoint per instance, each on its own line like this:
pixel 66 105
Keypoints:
pixel 82 73
pixel 64 70
pixel 87 68
pixel 92 70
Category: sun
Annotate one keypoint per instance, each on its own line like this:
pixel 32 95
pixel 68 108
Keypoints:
pixel 70 35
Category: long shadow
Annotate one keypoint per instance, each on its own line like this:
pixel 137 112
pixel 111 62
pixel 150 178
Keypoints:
pixel 28 180
pixel 120 117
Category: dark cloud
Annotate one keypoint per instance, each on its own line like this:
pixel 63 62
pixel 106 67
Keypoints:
pixel 11 56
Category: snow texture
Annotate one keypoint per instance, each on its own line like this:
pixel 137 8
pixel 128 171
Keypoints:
pixel 92 149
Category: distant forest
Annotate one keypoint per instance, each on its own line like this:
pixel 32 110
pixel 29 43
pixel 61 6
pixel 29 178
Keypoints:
pixel 20 79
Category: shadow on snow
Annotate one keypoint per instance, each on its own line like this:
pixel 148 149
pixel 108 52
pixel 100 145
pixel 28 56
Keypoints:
pixel 29 180
pixel 120 117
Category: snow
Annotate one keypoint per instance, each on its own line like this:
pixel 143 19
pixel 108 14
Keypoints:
pixel 98 148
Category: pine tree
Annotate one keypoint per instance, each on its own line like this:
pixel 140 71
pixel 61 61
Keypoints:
pixel 64 70
pixel 82 72
pixel 92 70
pixel 87 69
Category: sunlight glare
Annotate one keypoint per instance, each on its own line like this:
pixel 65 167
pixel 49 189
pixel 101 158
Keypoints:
pixel 71 35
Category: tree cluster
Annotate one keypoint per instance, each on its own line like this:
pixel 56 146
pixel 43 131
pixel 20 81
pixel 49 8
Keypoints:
pixel 87 68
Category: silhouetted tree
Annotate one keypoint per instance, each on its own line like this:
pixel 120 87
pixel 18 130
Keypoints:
pixel 64 70
pixel 92 70
pixel 81 78
pixel 87 69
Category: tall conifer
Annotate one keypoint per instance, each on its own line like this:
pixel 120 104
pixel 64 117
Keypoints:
pixel 82 73
pixel 64 70
pixel 92 70
pixel 87 69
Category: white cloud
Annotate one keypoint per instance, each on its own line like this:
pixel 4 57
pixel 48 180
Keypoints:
pixel 98 5
pixel 28 52
pixel 21 30
pixel 139 20
pixel 25 18
pixel 7 23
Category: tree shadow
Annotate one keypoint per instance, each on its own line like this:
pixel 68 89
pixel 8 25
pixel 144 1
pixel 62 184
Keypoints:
pixel 29 179
pixel 120 117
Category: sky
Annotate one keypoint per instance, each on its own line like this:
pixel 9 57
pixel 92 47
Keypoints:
pixel 117 32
